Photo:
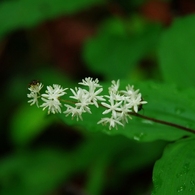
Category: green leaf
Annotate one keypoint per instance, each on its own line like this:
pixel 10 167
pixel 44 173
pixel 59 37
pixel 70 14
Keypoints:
pixel 33 172
pixel 41 171
pixel 27 13
pixel 114 52
pixel 101 153
pixel 176 54
pixel 174 173
pixel 165 102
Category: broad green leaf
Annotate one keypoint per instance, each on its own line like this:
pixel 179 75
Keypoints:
pixel 27 123
pixel 99 144
pixel 114 52
pixel 165 102
pixel 174 173
pixel 33 172
pixel 26 13
pixel 41 171
pixel 119 153
pixel 176 52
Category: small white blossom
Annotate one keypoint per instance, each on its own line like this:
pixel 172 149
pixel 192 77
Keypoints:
pixel 136 101
pixel 124 115
pixel 78 94
pixel 52 105
pixel 114 88
pixel 129 91
pixel 81 105
pixel 34 98
pixel 94 97
pixel 111 121
pixel 35 87
pixel 53 93
pixel 113 107
pixel 93 94
pixel 74 111
pixel 90 82
pixel 82 99
pixel 51 98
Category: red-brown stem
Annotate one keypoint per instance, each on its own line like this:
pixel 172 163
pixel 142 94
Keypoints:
pixel 164 122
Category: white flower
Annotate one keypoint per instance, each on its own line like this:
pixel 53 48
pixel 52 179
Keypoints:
pixel 51 98
pixel 122 103
pixel 90 82
pixel 78 94
pixel 82 99
pixel 35 87
pixel 133 97
pixel 93 96
pixel 92 93
pixel 81 105
pixel 113 107
pixel 125 112
pixel 53 93
pixel 111 121
pixel 34 98
pixel 74 111
pixel 114 88
pixel 136 101
pixel 119 104
pixel 52 105
pixel 129 91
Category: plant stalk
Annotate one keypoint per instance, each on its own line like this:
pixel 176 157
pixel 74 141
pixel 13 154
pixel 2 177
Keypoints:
pixel 164 122
pixel 150 119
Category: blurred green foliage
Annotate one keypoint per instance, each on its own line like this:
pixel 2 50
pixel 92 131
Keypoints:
pixel 116 50
pixel 26 127
pixel 157 58
pixel 176 52
pixel 26 13
pixel 39 171
pixel 42 170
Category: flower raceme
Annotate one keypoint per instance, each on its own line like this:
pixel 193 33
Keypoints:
pixel 118 104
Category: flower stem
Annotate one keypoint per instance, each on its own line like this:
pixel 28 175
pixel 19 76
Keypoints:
pixel 148 118
pixel 164 122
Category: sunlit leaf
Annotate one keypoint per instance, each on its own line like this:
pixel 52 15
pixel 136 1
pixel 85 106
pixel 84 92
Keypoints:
pixel 176 52
pixel 174 173
pixel 165 102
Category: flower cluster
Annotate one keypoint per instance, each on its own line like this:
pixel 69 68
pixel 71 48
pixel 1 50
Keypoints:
pixel 51 98
pixel 119 104
pixel 84 98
